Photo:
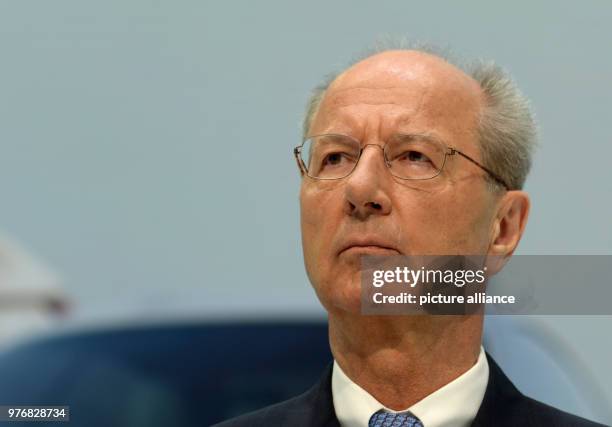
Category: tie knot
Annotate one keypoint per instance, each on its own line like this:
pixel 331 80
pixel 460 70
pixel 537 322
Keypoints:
pixel 389 419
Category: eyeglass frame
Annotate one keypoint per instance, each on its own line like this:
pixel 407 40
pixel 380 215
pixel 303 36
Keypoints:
pixel 449 151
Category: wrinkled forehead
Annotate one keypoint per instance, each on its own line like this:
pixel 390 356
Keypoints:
pixel 403 86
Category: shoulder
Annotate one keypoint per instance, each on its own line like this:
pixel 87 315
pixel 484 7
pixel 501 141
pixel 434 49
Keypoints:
pixel 312 408
pixel 542 414
pixel 505 405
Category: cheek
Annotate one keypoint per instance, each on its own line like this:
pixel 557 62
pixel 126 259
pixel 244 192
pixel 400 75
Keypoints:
pixel 444 223
pixel 320 213
pixel 336 283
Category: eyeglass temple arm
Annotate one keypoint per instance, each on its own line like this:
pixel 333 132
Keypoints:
pixel 484 168
pixel 296 153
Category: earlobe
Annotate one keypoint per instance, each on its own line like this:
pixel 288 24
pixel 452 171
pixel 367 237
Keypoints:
pixel 510 222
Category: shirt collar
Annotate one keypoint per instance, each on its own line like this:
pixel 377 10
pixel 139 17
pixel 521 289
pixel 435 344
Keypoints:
pixel 453 405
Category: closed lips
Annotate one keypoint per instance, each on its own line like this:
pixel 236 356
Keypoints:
pixel 373 244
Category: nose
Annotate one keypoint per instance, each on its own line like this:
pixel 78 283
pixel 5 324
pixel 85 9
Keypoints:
pixel 367 187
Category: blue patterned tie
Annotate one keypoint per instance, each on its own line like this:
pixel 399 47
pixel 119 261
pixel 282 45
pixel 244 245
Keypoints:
pixel 388 419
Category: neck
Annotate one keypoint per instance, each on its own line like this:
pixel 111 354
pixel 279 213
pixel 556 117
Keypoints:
pixel 401 360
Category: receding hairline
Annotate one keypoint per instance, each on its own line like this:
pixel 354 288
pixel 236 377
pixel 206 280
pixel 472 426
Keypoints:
pixel 389 61
pixel 409 66
pixel 417 53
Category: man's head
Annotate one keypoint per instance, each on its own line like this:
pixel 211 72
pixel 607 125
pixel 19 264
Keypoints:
pixel 371 211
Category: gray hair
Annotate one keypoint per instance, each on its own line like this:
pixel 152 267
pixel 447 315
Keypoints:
pixel 507 132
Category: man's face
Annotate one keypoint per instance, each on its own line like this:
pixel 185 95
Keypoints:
pixel 372 212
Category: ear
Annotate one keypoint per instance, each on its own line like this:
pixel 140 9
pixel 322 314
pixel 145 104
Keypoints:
pixel 510 222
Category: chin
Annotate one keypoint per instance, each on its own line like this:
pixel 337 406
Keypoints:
pixel 341 296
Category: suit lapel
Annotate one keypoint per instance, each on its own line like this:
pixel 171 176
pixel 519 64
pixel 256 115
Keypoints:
pixel 324 413
pixel 318 404
pixel 501 400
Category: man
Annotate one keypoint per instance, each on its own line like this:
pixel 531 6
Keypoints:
pixel 364 200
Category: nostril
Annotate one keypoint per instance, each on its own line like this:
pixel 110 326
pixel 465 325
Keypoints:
pixel 376 206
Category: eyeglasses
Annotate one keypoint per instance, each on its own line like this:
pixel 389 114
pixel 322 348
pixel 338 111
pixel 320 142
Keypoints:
pixel 408 156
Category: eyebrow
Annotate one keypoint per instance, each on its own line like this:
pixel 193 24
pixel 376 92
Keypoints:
pixel 411 136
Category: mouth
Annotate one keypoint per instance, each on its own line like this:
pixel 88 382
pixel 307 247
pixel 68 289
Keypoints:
pixel 367 246
pixel 369 250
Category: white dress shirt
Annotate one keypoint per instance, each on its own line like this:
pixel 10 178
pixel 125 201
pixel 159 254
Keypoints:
pixel 453 405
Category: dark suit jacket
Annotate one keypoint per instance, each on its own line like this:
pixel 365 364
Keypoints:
pixel 503 405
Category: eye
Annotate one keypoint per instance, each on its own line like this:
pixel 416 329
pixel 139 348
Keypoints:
pixel 415 156
pixel 332 159
pixel 335 159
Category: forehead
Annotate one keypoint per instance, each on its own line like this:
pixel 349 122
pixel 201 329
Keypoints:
pixel 400 90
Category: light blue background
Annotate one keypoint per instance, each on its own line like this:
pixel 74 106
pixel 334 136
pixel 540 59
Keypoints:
pixel 146 146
